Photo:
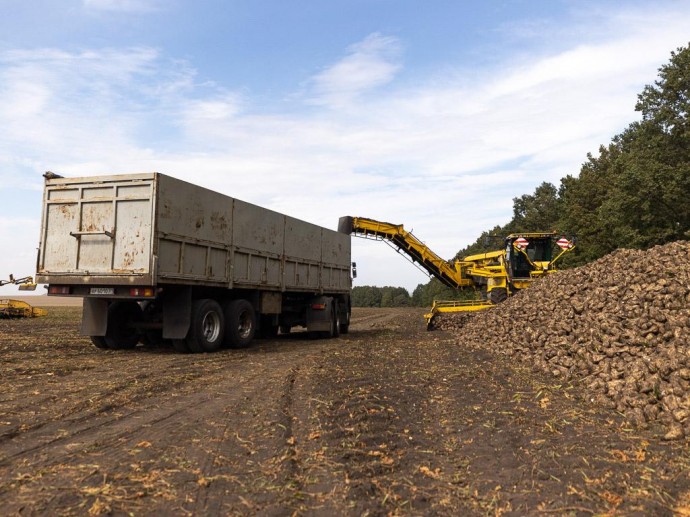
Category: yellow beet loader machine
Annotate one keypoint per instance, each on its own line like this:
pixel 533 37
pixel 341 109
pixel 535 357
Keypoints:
pixel 18 308
pixel 494 275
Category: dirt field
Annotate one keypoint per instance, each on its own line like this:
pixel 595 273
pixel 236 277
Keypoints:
pixel 47 301
pixel 389 419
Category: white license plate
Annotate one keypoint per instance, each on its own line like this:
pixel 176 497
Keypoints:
pixel 102 290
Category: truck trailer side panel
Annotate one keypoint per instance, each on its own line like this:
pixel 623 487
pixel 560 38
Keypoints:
pixel 302 257
pixel 193 233
pixel 206 237
pixel 258 243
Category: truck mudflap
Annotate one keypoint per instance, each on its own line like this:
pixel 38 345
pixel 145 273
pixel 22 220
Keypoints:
pixel 94 320
pixel 321 312
pixel 177 312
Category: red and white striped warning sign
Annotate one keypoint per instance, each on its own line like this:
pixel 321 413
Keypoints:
pixel 564 243
pixel 521 243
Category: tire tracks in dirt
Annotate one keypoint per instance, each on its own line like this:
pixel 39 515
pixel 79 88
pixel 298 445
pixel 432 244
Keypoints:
pixel 114 431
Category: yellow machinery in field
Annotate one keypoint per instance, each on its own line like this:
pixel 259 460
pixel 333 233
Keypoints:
pixel 18 308
pixel 495 275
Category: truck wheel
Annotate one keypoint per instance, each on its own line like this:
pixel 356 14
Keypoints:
pixel 498 295
pixel 240 323
pixel 285 329
pixel 207 327
pixel 120 333
pixel 99 342
pixel 334 330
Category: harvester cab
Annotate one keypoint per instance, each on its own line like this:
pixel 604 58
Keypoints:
pixel 531 255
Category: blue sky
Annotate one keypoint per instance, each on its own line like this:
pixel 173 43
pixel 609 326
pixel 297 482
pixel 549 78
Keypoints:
pixel 431 114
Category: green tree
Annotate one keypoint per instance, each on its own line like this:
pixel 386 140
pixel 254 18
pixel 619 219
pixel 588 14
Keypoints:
pixel 651 198
pixel 666 103
pixel 425 294
pixel 387 298
pixel 366 296
pixel 537 212
pixel 371 296
pixel 582 198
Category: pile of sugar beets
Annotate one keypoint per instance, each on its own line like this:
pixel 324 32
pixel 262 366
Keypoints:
pixel 619 326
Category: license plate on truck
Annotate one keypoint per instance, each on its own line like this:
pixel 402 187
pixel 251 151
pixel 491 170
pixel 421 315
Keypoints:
pixel 102 290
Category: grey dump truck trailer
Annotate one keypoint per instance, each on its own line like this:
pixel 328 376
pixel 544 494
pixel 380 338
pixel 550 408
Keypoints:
pixel 161 261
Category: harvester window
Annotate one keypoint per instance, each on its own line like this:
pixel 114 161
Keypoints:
pixel 521 267
pixel 539 251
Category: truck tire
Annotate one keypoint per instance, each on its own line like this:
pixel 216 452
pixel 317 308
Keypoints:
pixel 120 334
pixel 498 295
pixel 334 327
pixel 207 326
pixel 99 342
pixel 285 329
pixel 240 323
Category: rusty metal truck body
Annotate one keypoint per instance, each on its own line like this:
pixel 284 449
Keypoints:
pixel 160 260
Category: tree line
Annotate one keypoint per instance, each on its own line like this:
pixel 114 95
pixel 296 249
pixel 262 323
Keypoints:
pixel 422 296
pixel 634 193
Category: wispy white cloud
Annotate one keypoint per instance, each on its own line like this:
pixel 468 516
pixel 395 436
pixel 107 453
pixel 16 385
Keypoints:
pixel 224 107
pixel 82 107
pixel 368 64
pixel 444 155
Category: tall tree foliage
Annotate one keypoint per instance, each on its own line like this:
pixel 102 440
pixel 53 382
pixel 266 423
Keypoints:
pixel 582 199
pixel 537 212
pixel 657 170
pixel 425 294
